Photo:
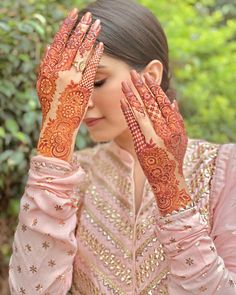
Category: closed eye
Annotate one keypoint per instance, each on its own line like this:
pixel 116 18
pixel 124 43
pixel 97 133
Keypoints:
pixel 99 83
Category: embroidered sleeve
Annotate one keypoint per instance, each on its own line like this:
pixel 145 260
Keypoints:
pixel 44 243
pixel 203 262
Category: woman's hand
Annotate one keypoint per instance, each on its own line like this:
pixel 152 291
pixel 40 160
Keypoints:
pixel 65 83
pixel 160 141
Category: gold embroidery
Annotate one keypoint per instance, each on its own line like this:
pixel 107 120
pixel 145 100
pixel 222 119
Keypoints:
pixel 28 247
pixel 150 265
pixel 26 207
pixel 83 285
pixel 104 254
pixel 159 278
pixel 33 269
pixel 106 232
pixel 106 210
pixel 199 168
pixel 146 244
pixel 51 263
pixel 39 288
pixel 45 245
pixel 58 207
pixel 145 225
pixel 23 227
pixel 189 261
pixel 108 282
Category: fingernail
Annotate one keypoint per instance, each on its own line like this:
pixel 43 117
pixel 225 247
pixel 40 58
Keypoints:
pixel 87 17
pixel 148 77
pixel 124 104
pixel 73 13
pixel 125 86
pixel 134 74
pixel 96 24
pixel 100 46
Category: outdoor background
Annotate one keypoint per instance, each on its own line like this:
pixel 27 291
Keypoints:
pixel 202 40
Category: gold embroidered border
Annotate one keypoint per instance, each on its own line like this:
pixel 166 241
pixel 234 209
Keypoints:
pixel 156 282
pixel 111 214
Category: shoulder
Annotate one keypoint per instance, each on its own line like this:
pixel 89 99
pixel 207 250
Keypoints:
pixel 200 158
pixel 224 179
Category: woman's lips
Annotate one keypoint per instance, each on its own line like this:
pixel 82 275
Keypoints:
pixel 89 122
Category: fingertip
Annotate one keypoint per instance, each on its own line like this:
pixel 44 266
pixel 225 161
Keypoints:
pixel 124 104
pixel 125 87
pixel 73 13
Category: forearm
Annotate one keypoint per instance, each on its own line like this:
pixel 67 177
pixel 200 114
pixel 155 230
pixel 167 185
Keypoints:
pixel 44 244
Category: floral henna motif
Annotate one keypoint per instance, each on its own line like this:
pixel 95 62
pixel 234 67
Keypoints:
pixel 59 132
pixel 158 168
pixel 166 120
pixel 57 136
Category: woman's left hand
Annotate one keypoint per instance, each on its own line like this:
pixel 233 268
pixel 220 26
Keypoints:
pixel 160 140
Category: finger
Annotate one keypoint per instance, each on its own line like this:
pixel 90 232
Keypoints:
pixel 61 37
pixel 132 99
pixel 139 113
pixel 175 105
pixel 160 96
pixel 43 60
pixel 151 106
pixel 78 35
pixel 138 137
pixel 91 68
pixel 90 38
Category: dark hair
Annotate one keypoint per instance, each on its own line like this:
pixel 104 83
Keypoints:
pixel 131 33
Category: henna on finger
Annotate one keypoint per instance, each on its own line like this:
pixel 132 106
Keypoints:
pixel 169 126
pixel 132 99
pixel 59 132
pixel 158 168
pixel 90 38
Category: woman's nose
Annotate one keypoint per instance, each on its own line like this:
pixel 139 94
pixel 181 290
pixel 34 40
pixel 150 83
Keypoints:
pixel 91 102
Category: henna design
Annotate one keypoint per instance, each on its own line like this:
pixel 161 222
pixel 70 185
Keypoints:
pixel 62 124
pixel 132 98
pixel 158 168
pixel 166 120
pixel 57 137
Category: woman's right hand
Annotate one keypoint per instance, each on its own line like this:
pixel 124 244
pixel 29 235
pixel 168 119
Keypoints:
pixel 65 84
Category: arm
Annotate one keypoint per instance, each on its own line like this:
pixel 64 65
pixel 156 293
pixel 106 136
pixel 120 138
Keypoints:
pixel 196 267
pixel 44 244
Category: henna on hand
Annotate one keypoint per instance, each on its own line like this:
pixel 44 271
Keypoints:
pixel 166 121
pixel 63 92
pixel 160 164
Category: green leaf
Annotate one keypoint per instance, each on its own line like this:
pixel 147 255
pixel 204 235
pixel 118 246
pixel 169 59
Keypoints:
pixel 2 132
pixel 16 158
pixel 5 155
pixel 11 126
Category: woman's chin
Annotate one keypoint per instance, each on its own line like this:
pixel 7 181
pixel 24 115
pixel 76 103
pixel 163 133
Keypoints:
pixel 99 138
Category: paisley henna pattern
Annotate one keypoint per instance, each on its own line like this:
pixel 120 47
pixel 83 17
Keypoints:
pixel 61 124
pixel 158 168
pixel 166 120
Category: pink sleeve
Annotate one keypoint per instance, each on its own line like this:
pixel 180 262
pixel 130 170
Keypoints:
pixel 44 243
pixel 203 263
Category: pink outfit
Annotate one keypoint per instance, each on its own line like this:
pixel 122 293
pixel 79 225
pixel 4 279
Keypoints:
pixel 99 246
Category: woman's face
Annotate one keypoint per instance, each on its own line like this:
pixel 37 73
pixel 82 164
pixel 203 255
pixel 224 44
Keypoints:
pixel 104 118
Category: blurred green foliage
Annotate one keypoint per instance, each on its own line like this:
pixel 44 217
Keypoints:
pixel 202 43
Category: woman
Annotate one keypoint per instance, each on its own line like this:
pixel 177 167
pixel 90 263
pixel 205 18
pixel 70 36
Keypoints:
pixel 143 212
